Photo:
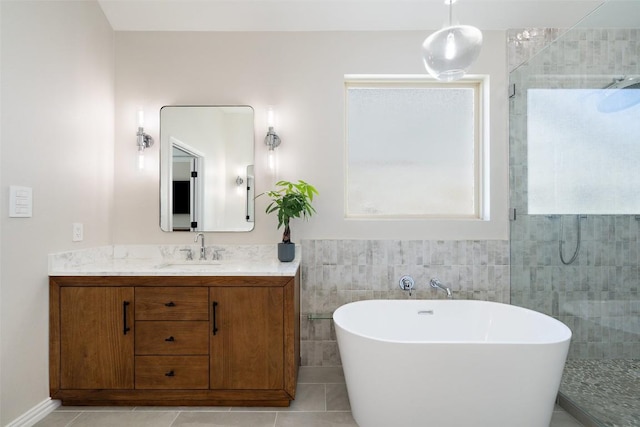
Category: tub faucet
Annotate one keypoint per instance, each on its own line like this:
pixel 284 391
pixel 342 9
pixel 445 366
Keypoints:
pixel 202 249
pixel 436 284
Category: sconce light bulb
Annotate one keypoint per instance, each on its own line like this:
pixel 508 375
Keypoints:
pixel 450 49
pixel 272 160
pixel 140 159
pixel 140 118
pixel 271 117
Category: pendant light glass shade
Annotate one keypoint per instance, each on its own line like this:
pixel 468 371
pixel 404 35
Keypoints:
pixel 449 52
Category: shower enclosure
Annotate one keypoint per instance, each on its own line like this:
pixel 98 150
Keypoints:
pixel 575 200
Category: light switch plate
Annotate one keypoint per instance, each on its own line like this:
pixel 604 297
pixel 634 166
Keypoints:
pixel 20 202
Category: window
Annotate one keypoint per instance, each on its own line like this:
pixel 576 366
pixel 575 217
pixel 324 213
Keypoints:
pixel 583 156
pixel 414 148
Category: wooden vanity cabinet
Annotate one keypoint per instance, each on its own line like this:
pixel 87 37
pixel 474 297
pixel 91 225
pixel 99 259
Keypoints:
pixel 247 338
pixel 172 338
pixel 96 338
pixel 177 341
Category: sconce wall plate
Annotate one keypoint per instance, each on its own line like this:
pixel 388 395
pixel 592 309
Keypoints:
pixel 272 140
pixel 143 140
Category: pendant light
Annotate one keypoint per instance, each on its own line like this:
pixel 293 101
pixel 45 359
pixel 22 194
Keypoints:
pixel 449 52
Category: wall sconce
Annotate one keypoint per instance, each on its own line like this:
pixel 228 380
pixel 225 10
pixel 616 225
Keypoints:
pixel 272 140
pixel 143 140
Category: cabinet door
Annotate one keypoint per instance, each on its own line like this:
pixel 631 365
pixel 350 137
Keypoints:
pixel 247 338
pixel 96 338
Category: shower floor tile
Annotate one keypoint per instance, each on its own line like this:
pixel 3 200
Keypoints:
pixel 609 390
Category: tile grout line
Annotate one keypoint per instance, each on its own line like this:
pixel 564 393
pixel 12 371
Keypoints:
pixel 325 398
pixel 74 419
pixel 175 418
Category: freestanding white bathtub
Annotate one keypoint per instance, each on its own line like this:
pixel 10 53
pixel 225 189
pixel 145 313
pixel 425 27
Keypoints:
pixel 450 363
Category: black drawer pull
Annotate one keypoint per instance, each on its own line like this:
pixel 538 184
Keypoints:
pixel 170 304
pixel 170 339
pixel 215 324
pixel 170 374
pixel 125 328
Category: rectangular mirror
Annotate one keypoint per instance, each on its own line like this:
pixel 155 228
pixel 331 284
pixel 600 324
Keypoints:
pixel 206 168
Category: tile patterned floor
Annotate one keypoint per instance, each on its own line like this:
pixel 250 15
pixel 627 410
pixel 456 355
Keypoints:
pixel 608 390
pixel 321 401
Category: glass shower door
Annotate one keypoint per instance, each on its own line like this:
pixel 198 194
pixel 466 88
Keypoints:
pixel 597 293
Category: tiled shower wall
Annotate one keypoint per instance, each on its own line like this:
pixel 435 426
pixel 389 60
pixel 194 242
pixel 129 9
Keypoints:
pixel 335 272
pixel 597 296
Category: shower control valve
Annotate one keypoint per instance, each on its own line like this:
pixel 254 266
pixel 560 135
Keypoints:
pixel 407 283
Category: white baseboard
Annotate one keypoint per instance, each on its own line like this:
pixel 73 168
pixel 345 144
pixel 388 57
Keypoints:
pixel 35 414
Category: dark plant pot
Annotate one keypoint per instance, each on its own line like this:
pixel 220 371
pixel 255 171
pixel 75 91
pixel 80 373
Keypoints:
pixel 286 252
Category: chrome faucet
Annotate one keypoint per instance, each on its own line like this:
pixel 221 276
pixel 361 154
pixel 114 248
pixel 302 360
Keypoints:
pixel 203 254
pixel 436 284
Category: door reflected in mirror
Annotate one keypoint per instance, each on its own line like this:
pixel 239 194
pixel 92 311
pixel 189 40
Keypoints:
pixel 206 168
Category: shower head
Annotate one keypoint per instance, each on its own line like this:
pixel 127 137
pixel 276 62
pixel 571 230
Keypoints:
pixel 617 97
pixel 624 83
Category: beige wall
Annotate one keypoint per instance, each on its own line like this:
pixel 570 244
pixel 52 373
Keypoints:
pixel 68 131
pixel 302 74
pixel 56 137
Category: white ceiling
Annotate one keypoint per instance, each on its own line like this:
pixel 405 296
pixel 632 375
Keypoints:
pixel 339 15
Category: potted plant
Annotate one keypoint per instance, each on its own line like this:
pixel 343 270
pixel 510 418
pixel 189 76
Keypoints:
pixel 290 201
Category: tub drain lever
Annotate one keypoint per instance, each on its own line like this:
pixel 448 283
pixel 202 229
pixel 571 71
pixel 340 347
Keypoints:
pixel 407 283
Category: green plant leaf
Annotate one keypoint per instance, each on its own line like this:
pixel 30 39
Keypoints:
pixel 291 200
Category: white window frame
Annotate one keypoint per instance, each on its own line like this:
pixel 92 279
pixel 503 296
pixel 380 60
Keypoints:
pixel 481 154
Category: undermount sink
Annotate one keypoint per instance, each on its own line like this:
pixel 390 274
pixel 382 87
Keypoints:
pixel 187 264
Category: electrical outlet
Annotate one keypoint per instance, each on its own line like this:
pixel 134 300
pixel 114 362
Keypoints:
pixel 78 232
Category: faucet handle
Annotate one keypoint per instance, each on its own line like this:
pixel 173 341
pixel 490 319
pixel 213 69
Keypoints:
pixel 407 284
pixel 189 253
pixel 216 254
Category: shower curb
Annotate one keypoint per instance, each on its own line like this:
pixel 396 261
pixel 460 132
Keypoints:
pixel 576 412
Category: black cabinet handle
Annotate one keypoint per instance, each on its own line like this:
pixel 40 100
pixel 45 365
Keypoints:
pixel 215 325
pixel 170 339
pixel 170 374
pixel 170 304
pixel 125 328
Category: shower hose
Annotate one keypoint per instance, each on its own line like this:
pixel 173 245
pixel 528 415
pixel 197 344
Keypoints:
pixel 577 251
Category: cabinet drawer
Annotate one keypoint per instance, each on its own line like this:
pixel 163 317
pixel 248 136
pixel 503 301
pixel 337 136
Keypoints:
pixel 172 372
pixel 172 303
pixel 172 337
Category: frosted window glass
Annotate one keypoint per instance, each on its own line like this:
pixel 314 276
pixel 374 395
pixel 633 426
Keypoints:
pixel 583 158
pixel 411 151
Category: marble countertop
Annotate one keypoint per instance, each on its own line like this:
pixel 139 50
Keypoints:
pixel 150 260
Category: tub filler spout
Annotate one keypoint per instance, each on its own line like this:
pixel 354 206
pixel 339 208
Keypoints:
pixel 436 284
